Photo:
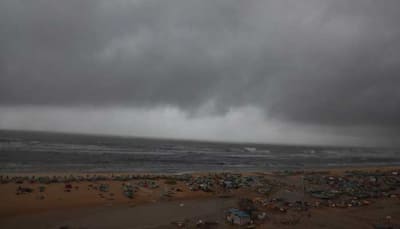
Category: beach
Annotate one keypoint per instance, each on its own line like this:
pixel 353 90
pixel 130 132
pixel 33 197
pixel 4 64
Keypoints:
pixel 72 200
pixel 138 114
pixel 50 180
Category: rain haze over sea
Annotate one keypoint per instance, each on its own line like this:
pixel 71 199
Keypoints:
pixel 54 152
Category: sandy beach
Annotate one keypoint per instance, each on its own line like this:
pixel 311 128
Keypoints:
pixel 81 195
pixel 159 201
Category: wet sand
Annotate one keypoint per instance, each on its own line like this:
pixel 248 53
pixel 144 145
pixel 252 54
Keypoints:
pixel 123 216
pixel 161 215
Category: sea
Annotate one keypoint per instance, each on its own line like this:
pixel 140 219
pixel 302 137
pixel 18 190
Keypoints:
pixel 24 151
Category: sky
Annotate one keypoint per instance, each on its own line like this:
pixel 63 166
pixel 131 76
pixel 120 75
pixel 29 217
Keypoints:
pixel 281 71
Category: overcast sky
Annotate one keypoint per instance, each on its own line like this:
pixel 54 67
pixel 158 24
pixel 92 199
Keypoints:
pixel 298 71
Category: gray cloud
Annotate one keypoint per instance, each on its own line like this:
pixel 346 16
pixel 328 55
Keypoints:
pixel 332 63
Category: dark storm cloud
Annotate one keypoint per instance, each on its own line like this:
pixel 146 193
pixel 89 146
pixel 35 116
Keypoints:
pixel 318 62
